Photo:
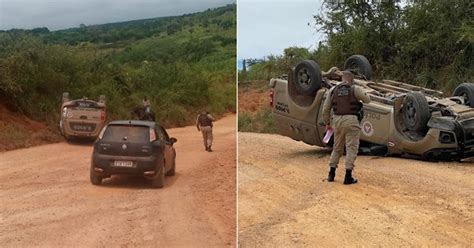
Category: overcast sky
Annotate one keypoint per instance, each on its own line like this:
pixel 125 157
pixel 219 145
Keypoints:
pixel 268 26
pixel 60 14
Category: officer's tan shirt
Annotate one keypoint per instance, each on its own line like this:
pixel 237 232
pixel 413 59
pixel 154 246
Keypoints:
pixel 359 94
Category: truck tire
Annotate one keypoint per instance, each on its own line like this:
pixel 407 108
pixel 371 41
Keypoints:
pixel 159 181
pixel 466 90
pixel 307 77
pixel 416 112
pixel 360 65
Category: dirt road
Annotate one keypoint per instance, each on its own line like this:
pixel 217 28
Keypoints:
pixel 47 199
pixel 284 199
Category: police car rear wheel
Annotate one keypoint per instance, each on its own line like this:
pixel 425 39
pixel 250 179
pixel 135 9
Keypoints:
pixel 416 112
pixel 307 77
pixel 466 90
pixel 360 65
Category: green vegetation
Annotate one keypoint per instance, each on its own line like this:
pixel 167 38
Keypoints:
pixel 21 136
pixel 182 64
pixel 260 122
pixel 428 43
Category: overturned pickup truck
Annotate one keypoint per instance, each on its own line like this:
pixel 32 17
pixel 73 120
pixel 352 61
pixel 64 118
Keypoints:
pixel 401 119
pixel 82 118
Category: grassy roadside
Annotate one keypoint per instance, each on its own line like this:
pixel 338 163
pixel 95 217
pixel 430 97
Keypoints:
pixel 259 122
pixel 18 131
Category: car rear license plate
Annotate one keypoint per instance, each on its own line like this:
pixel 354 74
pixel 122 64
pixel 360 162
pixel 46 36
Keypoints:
pixel 126 164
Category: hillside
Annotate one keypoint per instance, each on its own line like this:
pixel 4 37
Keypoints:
pixel 183 64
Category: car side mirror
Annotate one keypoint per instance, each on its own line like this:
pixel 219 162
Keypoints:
pixel 173 140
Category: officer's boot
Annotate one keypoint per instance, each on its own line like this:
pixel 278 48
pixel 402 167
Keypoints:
pixel 332 174
pixel 349 179
pixel 209 150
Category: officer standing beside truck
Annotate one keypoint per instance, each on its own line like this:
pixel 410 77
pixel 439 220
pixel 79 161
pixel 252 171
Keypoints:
pixel 345 101
pixel 204 124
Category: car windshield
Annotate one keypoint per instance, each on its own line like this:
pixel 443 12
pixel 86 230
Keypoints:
pixel 120 133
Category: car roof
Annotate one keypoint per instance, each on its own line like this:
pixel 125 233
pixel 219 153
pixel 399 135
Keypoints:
pixel 151 124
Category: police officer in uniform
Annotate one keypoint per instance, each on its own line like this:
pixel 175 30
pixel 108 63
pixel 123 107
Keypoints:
pixel 345 101
pixel 204 124
pixel 146 104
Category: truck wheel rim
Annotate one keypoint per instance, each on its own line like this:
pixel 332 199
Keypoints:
pixel 410 113
pixel 467 101
pixel 354 68
pixel 304 78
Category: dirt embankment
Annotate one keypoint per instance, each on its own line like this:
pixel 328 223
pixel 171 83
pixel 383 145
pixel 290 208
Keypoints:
pixel 253 96
pixel 285 200
pixel 18 131
pixel 47 199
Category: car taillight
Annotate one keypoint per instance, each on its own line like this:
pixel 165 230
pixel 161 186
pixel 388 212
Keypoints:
pixel 152 135
pixel 102 115
pixel 271 98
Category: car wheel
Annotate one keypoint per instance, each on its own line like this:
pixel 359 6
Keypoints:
pixel 416 112
pixel 360 65
pixel 159 180
pixel 172 171
pixel 466 90
pixel 307 77
pixel 96 180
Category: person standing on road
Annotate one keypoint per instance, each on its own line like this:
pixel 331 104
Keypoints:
pixel 204 124
pixel 345 102
pixel 146 104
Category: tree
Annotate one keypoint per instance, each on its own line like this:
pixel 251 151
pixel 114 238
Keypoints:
pixel 172 28
pixel 426 42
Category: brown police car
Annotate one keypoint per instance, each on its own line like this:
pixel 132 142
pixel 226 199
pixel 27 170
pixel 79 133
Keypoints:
pixel 133 147
pixel 401 119
pixel 82 118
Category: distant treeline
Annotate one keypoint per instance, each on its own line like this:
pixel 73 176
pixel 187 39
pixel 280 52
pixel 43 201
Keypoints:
pixel 182 64
pixel 429 43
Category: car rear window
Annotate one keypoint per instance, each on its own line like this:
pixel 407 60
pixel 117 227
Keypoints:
pixel 120 133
